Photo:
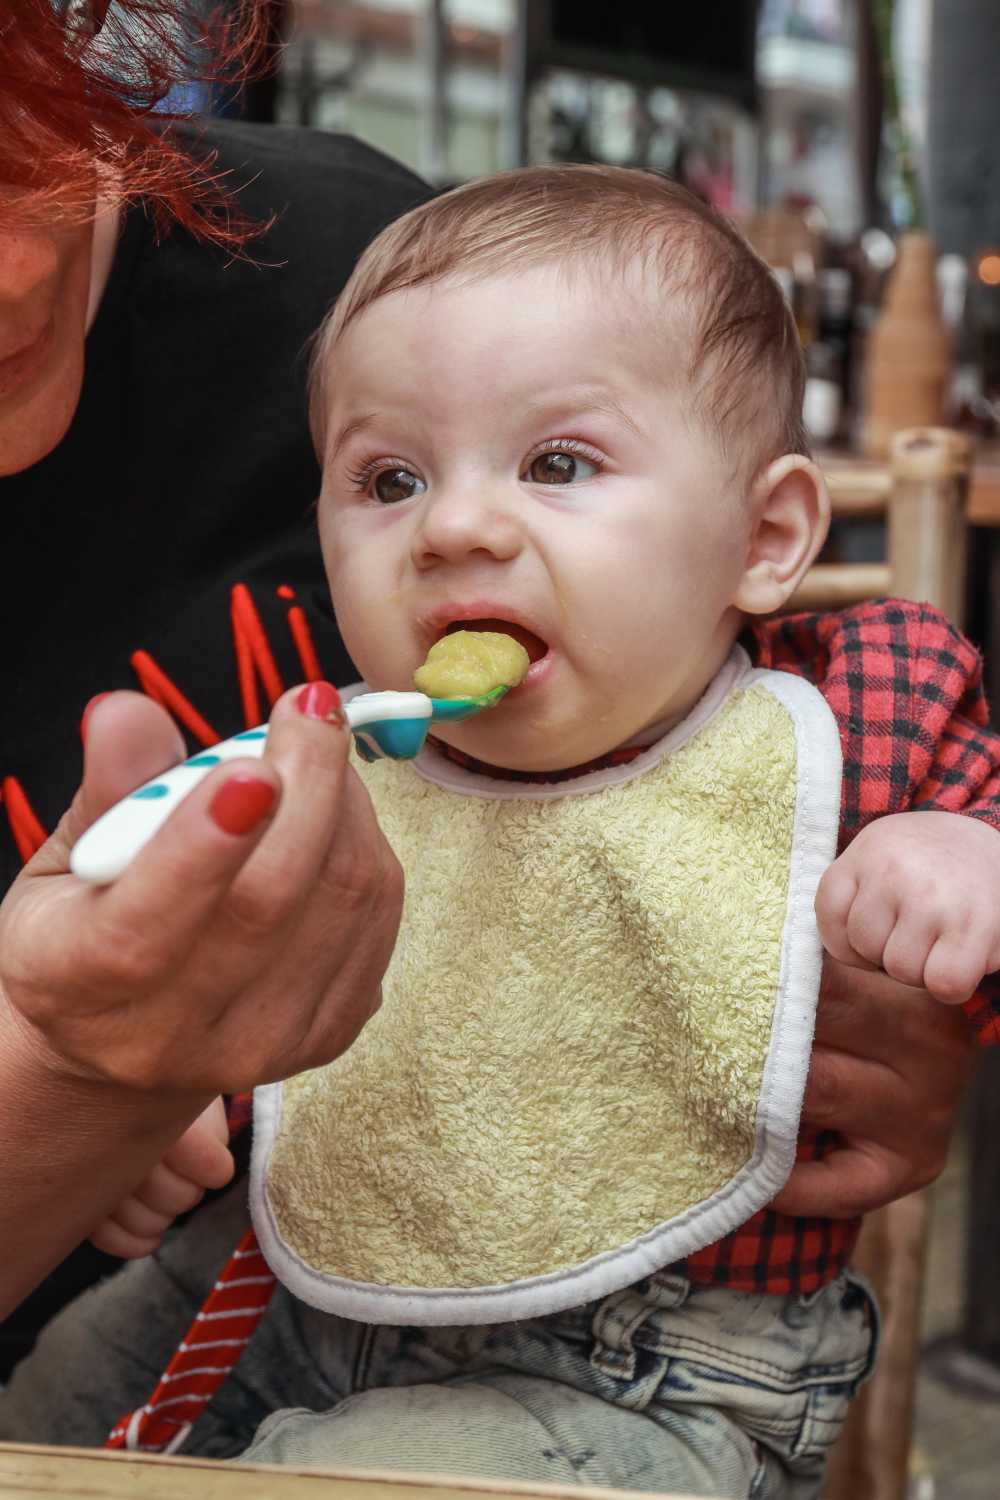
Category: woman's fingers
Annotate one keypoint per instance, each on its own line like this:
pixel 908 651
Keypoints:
pixel 145 926
pixel 856 1096
pixel 119 980
pixel 875 1017
pixel 128 740
pixel 856 1179
pixel 212 878
pixel 889 1065
pixel 349 900
pixel 359 902
pixel 245 942
pixel 307 745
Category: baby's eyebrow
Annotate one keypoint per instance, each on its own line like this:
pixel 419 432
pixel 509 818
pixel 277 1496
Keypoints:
pixel 349 430
pixel 589 399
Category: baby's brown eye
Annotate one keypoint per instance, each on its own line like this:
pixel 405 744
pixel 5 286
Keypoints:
pixel 560 466
pixel 553 468
pixel 392 485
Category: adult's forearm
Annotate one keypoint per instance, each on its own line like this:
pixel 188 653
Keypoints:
pixel 69 1152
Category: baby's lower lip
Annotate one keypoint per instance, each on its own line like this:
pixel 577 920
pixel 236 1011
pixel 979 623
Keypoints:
pixel 538 669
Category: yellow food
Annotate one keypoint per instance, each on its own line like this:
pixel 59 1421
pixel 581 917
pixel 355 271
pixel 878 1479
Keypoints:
pixel 469 663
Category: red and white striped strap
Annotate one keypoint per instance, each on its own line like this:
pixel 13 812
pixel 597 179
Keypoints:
pixel 211 1347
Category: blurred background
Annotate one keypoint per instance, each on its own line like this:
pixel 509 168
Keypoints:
pixel 827 127
pixel 858 143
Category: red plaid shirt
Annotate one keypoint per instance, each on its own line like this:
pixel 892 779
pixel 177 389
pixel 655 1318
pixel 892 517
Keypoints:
pixel 907 693
pixel 906 690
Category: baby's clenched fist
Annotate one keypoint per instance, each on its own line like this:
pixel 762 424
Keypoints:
pixel 918 895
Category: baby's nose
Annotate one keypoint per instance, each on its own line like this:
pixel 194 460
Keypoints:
pixel 455 525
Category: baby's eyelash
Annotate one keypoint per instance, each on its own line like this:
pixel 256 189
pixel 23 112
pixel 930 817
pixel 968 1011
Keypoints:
pixel 569 445
pixel 361 477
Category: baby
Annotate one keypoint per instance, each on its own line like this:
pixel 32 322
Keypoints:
pixel 522 1226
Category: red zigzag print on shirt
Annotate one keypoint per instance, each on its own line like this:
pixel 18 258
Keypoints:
pixel 254 664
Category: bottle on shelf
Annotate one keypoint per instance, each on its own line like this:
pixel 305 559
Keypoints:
pixel 909 350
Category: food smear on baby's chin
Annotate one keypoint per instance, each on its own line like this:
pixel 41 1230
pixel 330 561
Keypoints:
pixel 471 663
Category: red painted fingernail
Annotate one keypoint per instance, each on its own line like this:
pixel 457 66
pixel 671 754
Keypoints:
pixel 241 803
pixel 320 700
pixel 97 698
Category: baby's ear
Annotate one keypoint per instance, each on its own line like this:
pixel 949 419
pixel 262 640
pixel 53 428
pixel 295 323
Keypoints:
pixel 790 518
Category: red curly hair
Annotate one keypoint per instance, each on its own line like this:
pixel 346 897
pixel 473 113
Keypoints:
pixel 82 82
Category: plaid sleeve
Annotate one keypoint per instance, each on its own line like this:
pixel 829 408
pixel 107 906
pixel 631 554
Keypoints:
pixel 907 692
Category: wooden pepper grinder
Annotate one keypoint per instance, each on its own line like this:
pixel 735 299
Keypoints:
pixel 908 360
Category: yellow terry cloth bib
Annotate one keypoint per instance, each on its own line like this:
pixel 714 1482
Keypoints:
pixel 595 1032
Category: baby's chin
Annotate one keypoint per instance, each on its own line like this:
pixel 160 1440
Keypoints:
pixel 533 755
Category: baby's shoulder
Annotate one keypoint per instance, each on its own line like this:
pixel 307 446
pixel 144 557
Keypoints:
pixel 890 644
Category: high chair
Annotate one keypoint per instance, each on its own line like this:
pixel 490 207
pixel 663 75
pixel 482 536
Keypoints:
pixel 922 493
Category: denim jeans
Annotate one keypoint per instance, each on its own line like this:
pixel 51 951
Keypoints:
pixel 662 1386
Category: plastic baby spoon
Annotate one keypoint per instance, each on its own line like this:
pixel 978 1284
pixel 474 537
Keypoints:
pixel 393 725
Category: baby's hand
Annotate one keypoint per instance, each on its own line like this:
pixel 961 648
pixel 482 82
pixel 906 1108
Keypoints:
pixel 918 895
pixel 199 1159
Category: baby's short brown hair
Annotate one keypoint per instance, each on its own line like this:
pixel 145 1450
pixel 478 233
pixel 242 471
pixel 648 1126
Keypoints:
pixel 745 364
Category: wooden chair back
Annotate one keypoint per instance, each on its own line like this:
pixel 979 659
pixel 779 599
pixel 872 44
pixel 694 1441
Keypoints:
pixel 922 492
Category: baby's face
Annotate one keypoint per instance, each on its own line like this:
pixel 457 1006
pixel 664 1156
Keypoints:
pixel 508 455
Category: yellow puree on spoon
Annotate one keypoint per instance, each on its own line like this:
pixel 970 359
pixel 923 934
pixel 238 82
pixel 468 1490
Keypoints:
pixel 469 663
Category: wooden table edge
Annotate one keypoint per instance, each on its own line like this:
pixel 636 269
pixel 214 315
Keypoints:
pixel 95 1472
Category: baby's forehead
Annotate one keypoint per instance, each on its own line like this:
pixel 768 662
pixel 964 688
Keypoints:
pixel 607 308
pixel 623 283
pixel 623 303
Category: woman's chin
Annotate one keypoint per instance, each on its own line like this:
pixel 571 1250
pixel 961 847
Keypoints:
pixel 34 425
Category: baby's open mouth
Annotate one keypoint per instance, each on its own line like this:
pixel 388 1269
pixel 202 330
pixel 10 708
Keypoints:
pixel 533 644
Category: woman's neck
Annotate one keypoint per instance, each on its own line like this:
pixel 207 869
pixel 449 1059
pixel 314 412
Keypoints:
pixel 107 221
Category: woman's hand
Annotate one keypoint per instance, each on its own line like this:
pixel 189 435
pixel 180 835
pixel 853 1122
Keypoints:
pixel 888 1069
pixel 246 942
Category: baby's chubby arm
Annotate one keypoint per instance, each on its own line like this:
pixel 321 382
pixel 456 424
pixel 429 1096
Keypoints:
pixel 917 894
pixel 199 1159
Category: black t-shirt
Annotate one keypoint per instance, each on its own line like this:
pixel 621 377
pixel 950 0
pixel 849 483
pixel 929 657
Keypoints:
pixel 188 470
pixel 188 467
